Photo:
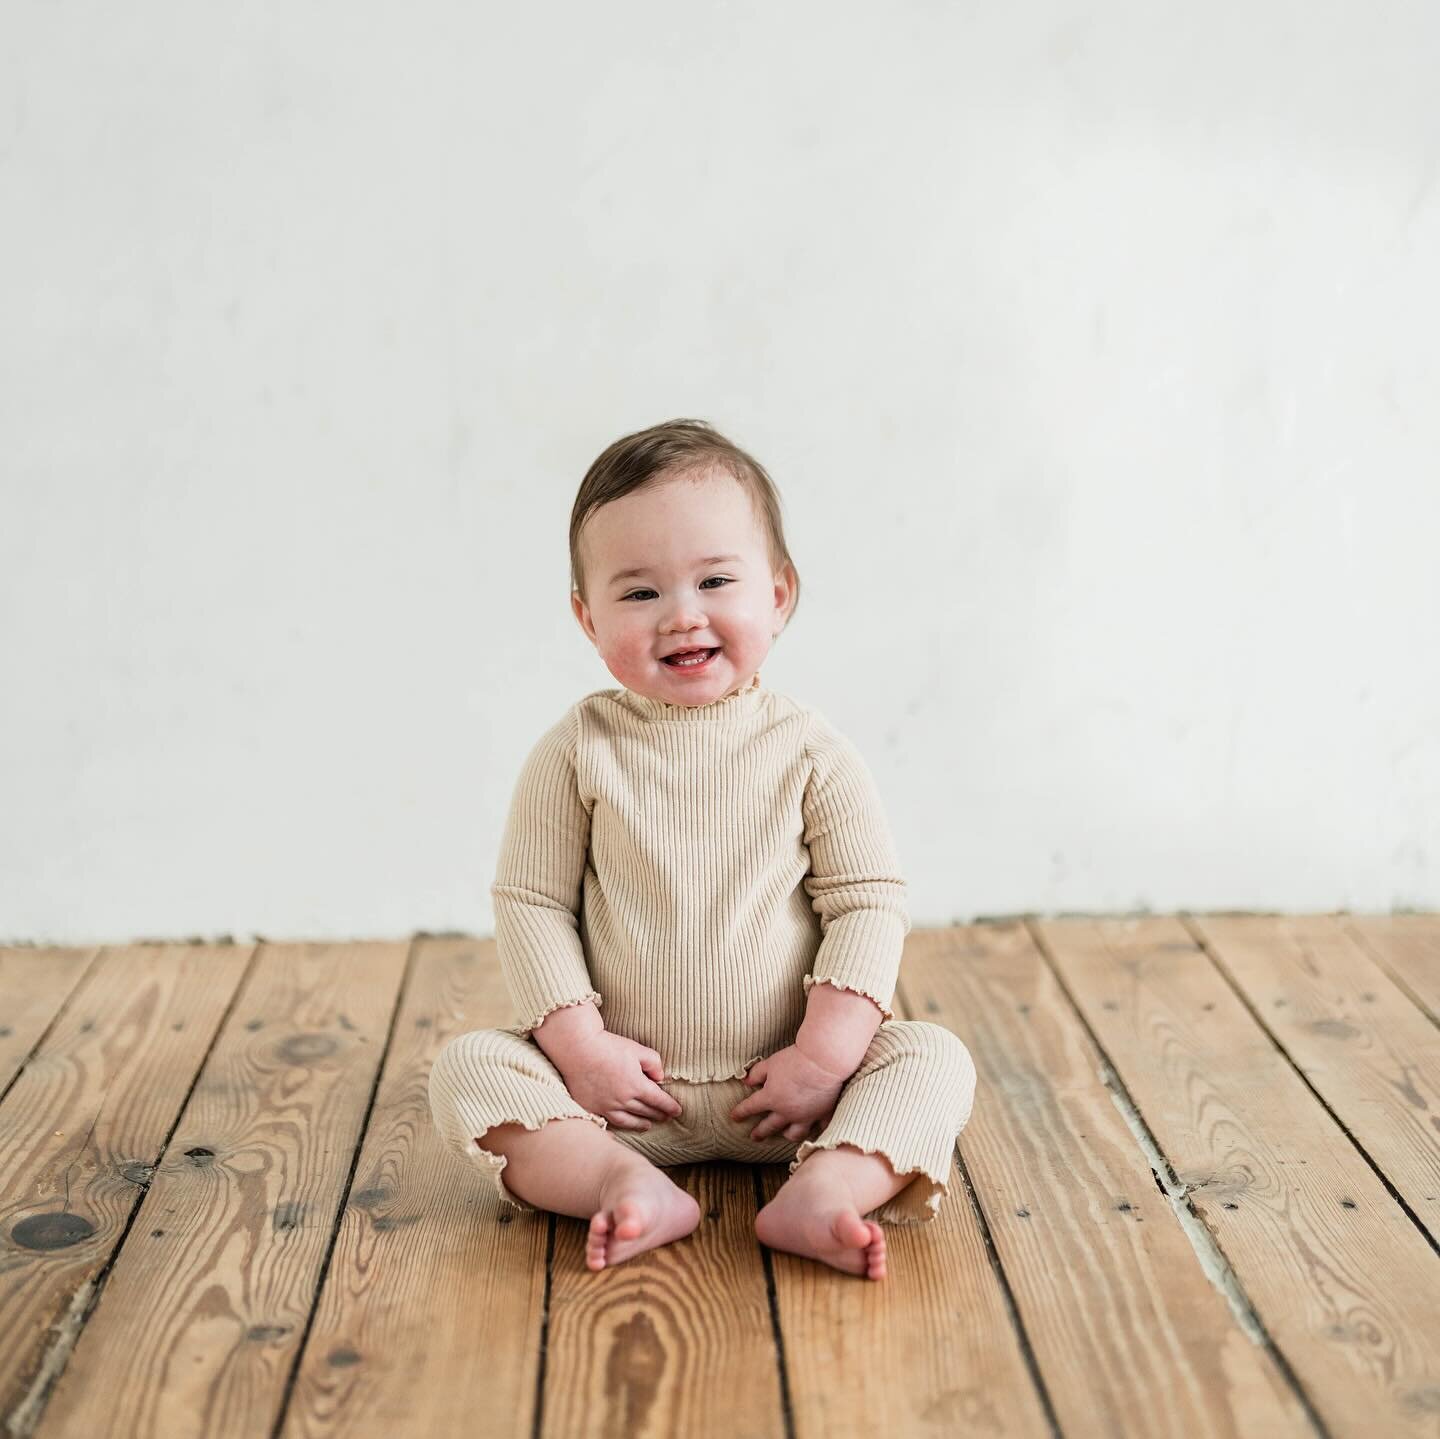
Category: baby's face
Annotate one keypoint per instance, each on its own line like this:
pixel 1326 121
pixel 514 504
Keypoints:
pixel 684 597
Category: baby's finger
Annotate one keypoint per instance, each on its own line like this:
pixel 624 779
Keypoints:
pixel 645 1111
pixel 797 1131
pixel 621 1120
pixel 667 1105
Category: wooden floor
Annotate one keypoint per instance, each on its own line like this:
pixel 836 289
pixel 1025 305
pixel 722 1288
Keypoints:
pixel 1199 1195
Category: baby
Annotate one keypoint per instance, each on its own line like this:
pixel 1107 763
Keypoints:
pixel 698 907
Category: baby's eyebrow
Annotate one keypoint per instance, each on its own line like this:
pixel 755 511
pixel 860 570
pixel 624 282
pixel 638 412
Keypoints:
pixel 642 570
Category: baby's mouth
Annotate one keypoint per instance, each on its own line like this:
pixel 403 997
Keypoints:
pixel 689 659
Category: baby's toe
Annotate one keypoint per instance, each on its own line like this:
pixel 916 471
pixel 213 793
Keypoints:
pixel 630 1219
pixel 875 1252
pixel 597 1240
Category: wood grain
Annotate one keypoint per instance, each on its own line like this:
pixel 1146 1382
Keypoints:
pixel 208 1300
pixel 236 1276
pixel 1130 1336
pixel 677 1340
pixel 1343 1281
pixel 431 1318
pixel 85 1122
pixel 929 1349
pixel 1370 1054
pixel 1408 946
pixel 34 985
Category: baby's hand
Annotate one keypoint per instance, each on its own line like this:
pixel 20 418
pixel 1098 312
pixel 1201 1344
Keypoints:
pixel 614 1077
pixel 796 1092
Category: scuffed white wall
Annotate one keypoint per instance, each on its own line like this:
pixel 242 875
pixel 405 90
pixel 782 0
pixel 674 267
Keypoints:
pixel 1094 349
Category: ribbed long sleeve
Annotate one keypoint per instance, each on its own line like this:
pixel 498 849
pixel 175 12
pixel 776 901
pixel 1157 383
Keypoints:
pixel 695 870
pixel 538 881
pixel 854 884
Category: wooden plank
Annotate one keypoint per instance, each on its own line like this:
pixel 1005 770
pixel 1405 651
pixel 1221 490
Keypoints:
pixel 1344 1283
pixel 1130 1336
pixel 677 1340
pixel 431 1315
pixel 931 1348
pixel 1408 946
pixel 1370 1054
pixel 204 1311
pixel 84 1123
pixel 34 985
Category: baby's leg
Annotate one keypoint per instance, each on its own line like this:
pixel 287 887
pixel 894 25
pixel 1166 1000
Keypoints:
pixel 572 1166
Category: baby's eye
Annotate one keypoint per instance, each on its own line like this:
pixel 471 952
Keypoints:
pixel 635 594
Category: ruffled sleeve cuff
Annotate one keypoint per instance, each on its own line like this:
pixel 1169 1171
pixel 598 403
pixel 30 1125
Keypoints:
pixel 524 1029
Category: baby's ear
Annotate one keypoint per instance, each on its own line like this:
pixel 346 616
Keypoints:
pixel 582 615
pixel 787 587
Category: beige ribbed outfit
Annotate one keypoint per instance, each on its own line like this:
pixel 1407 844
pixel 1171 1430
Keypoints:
pixel 694 870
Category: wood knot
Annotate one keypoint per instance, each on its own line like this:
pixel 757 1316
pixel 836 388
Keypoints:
pixel 55 1230
pixel 306 1048
pixel 1333 1029
pixel 289 1215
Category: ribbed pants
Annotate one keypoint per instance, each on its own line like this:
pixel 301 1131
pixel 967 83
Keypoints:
pixel 908 1100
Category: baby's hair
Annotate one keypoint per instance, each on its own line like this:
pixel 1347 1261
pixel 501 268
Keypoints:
pixel 667 451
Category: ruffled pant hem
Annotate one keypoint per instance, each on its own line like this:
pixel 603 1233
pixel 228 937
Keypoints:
pixel 917 1203
pixel 494 1164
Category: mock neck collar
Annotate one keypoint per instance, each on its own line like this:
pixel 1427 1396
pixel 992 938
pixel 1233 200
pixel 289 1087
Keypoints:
pixel 727 709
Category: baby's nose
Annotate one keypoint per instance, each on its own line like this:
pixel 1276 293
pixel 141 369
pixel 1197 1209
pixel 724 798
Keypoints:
pixel 684 606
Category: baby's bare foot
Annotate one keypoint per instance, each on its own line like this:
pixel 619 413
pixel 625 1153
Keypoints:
pixel 639 1209
pixel 829 1229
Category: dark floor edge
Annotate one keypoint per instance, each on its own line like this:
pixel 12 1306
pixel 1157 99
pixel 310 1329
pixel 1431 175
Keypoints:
pixel 1027 1349
pixel 1213 1261
pixel 1144 912
pixel 787 1408
pixel 544 1358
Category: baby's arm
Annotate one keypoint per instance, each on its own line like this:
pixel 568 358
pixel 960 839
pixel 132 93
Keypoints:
pixel 856 888
pixel 537 890
pixel 838 1027
pixel 566 1031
